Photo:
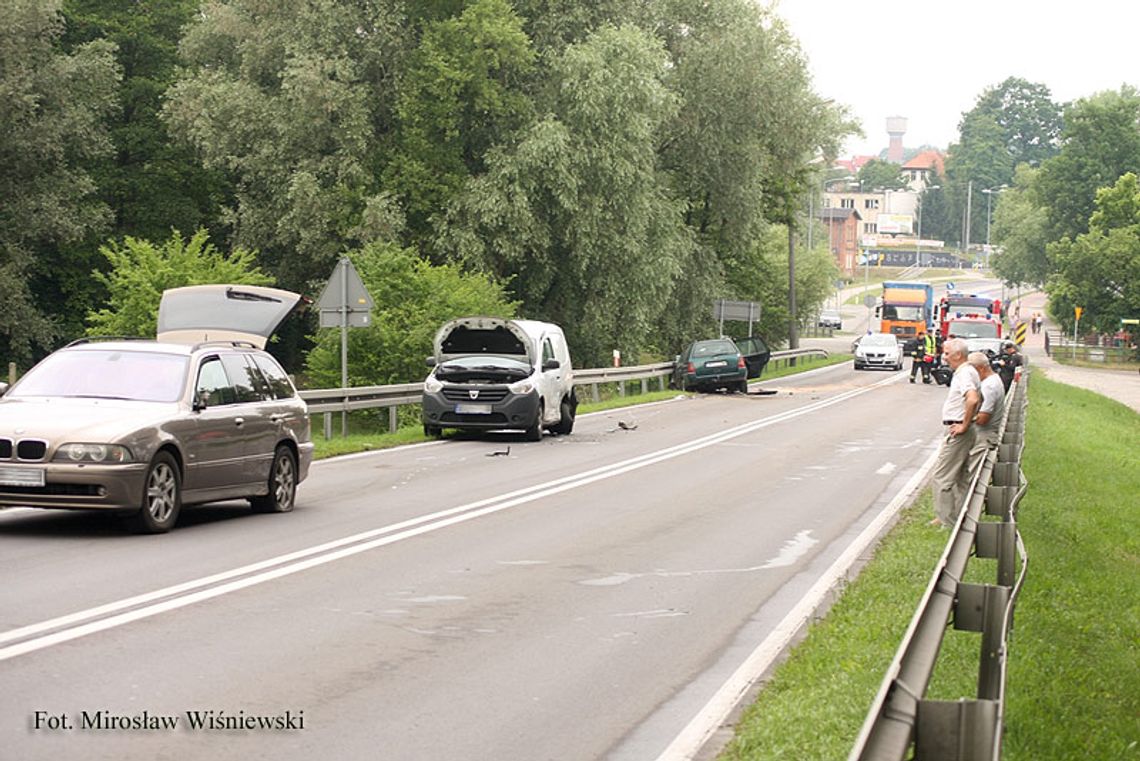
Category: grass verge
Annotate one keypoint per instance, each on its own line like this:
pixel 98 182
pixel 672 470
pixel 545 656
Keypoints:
pixel 1073 685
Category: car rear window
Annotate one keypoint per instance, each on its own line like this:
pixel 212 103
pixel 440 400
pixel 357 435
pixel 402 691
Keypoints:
pixel 106 374
pixel 710 348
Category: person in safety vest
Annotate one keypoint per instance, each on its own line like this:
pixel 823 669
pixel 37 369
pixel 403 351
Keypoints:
pixel 923 351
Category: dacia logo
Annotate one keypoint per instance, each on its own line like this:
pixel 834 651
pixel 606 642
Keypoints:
pixel 473 393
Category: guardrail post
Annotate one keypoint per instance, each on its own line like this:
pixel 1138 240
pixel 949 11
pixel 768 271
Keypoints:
pixel 955 731
pixel 999 541
pixel 328 425
pixel 645 385
pixel 393 419
pixel 11 373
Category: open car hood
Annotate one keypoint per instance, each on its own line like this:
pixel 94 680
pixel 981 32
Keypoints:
pixel 199 313
pixel 472 336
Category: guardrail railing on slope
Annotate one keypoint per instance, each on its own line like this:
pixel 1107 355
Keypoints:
pixel 901 719
pixel 392 397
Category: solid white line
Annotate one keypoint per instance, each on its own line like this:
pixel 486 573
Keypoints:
pixel 183 594
pixel 716 711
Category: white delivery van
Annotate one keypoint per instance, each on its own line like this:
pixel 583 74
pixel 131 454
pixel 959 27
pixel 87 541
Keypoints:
pixel 493 374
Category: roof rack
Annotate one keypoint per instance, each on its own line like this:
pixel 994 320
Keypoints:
pixel 241 344
pixel 94 339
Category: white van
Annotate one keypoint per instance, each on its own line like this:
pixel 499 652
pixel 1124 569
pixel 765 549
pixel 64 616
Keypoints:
pixel 493 374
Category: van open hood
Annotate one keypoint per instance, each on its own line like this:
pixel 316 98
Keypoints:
pixel 199 313
pixel 472 336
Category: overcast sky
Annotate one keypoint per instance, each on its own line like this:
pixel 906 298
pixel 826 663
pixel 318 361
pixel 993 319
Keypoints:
pixel 929 60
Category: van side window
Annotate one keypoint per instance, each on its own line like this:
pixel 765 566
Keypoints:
pixel 547 350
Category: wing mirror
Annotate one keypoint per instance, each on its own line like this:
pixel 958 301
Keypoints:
pixel 551 364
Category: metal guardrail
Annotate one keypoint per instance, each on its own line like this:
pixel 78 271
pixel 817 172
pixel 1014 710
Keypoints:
pixel 330 400
pixel 901 719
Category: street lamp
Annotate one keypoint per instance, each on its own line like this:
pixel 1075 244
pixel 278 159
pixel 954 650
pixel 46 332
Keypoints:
pixel 918 243
pixel 989 194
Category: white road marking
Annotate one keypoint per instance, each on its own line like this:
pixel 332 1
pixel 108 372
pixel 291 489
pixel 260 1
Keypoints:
pixel 886 470
pixel 103 617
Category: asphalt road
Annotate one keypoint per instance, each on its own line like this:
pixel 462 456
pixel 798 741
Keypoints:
pixel 604 595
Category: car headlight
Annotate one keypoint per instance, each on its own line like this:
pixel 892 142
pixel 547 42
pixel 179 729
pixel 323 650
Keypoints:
pixel 432 386
pixel 524 386
pixel 106 453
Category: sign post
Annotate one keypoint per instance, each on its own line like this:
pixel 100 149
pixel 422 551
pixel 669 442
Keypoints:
pixel 1076 325
pixel 345 303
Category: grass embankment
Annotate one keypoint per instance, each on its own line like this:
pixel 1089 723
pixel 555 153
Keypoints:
pixel 1073 685
pixel 367 433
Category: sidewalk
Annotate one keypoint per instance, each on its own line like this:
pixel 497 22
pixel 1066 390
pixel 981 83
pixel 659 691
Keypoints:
pixel 1121 385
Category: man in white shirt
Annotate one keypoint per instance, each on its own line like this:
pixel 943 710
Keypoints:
pixel 962 402
pixel 987 423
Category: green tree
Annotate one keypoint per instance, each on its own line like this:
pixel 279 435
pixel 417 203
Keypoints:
pixel 741 150
pixel 150 183
pixel 413 298
pixel 1029 120
pixel 981 160
pixel 52 127
pixel 293 102
pixel 140 271
pixel 1100 142
pixel 577 214
pixel 881 174
pixel 1021 229
pixel 1100 270
pixel 460 96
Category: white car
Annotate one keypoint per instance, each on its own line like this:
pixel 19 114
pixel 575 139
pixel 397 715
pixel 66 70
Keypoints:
pixel 830 318
pixel 879 350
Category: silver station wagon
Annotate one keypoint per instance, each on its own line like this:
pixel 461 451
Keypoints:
pixel 144 427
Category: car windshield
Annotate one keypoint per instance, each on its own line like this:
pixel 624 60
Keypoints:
pixel 879 339
pixel 710 348
pixel 963 329
pixel 912 314
pixel 984 344
pixel 106 374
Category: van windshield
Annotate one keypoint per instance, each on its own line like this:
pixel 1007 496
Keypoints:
pixel 483 367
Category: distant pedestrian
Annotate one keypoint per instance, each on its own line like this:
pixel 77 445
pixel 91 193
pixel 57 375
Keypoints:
pixel 988 420
pixel 962 402
pixel 1039 321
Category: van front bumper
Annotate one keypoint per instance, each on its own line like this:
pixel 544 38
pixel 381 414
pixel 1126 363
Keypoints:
pixel 491 410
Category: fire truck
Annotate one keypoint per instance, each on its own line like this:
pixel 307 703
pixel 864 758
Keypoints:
pixel 968 316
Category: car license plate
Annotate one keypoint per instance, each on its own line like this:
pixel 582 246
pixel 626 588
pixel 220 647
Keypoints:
pixel 473 409
pixel 717 363
pixel 17 476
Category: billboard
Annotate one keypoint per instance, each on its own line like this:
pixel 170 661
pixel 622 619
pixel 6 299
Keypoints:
pixel 894 224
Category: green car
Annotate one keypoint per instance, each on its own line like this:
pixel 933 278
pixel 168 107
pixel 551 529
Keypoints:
pixel 709 365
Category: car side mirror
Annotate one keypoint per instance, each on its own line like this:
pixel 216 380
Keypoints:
pixel 551 364
pixel 677 359
pixel 431 361
pixel 201 400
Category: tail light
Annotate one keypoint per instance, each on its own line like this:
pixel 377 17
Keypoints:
pixel 740 364
pixel 691 369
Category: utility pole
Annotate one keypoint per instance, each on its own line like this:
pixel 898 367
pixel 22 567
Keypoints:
pixel 966 225
pixel 793 331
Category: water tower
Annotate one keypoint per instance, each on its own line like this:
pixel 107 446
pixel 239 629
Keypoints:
pixel 896 128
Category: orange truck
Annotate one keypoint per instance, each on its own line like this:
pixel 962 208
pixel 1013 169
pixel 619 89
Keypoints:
pixel 906 308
